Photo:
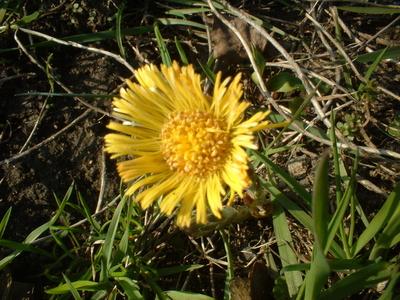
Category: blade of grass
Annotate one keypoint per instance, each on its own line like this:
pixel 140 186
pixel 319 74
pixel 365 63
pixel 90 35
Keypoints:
pixel 390 290
pixel 131 288
pixel 359 280
pixel 72 289
pixel 320 200
pixel 207 69
pixel 371 10
pixel 4 221
pixel 318 274
pixel 390 53
pixel 118 31
pixel 230 269
pixel 38 231
pixel 286 178
pixel 182 22
pixel 87 214
pixel 177 269
pixel 81 285
pixel 385 239
pixel 88 37
pixel 371 70
pixel 285 246
pixel 111 232
pixel 380 219
pixel 165 57
pixel 298 213
pixel 181 52
pixel 187 11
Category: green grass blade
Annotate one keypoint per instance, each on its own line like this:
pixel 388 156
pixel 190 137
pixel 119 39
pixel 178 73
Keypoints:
pixel 181 52
pixel 165 57
pixel 23 247
pixel 207 70
pixel 337 219
pixel 286 178
pixel 72 289
pixel 182 22
pixel 285 246
pixel 371 10
pixel 390 291
pixel 336 159
pixel 359 280
pixel 4 221
pixel 80 285
pixel 187 11
pixel 380 219
pixel 179 295
pixel 318 274
pixel 86 213
pixel 118 31
pixel 374 65
pixel 385 239
pixel 320 200
pixel 177 269
pixel 111 232
pixel 390 53
pixel 230 268
pixel 38 231
pixel 89 37
pixel 131 288
pixel 298 213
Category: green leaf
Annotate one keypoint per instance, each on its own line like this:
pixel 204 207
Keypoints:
pixel 285 246
pixel 81 285
pixel 28 19
pixel 298 213
pixel 390 53
pixel 23 247
pixel 389 233
pixel 286 178
pixel 338 216
pixel 111 232
pixel 177 269
pixel 394 127
pixel 370 10
pixel 118 31
pixel 390 290
pixel 38 231
pixel 260 64
pixel 381 218
pixel 207 70
pixel 320 200
pixel 89 37
pixel 187 11
pixel 72 289
pixel 374 65
pixel 178 295
pixel 131 288
pixel 318 274
pixel 165 57
pixel 284 82
pixel 183 22
pixel 4 221
pixel 181 52
pixel 359 280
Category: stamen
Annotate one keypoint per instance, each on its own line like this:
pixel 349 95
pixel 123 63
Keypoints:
pixel 195 143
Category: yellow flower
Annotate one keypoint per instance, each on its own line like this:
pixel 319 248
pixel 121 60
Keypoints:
pixel 183 145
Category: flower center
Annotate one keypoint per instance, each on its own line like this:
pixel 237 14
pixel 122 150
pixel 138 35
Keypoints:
pixel 195 143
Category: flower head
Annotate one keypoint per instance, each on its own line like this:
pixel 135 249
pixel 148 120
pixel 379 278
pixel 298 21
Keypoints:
pixel 182 144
